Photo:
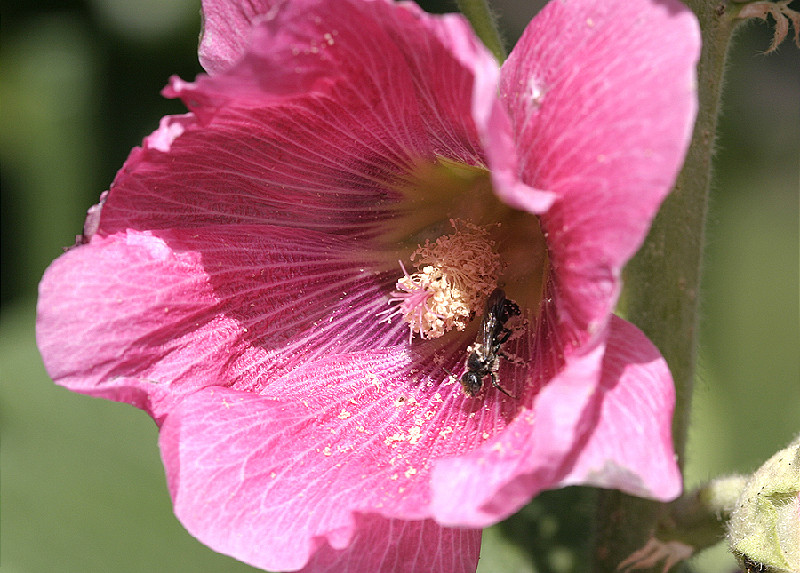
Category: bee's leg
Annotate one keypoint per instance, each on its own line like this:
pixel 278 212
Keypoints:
pixel 450 376
pixel 497 385
pixel 502 337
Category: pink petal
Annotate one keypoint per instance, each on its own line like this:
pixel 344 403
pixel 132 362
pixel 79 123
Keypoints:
pixel 501 150
pixel 123 308
pixel 226 30
pixel 616 434
pixel 494 125
pixel 503 474
pixel 270 480
pixel 601 97
pixel 630 446
pixel 162 313
pixel 235 172
pixel 392 546
pixel 169 129
pixel 321 144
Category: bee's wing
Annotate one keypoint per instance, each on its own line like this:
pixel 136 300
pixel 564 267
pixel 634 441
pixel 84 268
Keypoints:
pixel 491 323
pixel 487 333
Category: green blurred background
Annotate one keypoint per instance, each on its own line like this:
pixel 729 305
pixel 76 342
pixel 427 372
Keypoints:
pixel 82 485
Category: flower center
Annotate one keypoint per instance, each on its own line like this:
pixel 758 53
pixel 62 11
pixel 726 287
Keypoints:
pixel 455 274
pixel 462 243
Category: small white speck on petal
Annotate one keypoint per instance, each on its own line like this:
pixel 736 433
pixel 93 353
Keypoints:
pixel 536 92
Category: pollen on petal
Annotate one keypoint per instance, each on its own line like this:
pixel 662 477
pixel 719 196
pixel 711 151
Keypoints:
pixel 454 275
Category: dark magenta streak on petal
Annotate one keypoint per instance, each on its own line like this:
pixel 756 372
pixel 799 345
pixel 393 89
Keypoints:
pixel 268 480
pixel 602 100
pixel 630 444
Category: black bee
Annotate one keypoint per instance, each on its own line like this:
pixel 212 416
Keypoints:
pixel 482 361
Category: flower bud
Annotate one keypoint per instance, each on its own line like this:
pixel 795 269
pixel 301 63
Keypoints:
pixel 764 531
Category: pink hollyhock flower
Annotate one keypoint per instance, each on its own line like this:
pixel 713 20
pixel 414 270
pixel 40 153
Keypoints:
pixel 240 279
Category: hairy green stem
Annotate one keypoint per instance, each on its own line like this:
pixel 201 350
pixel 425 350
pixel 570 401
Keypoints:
pixel 485 25
pixel 662 286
